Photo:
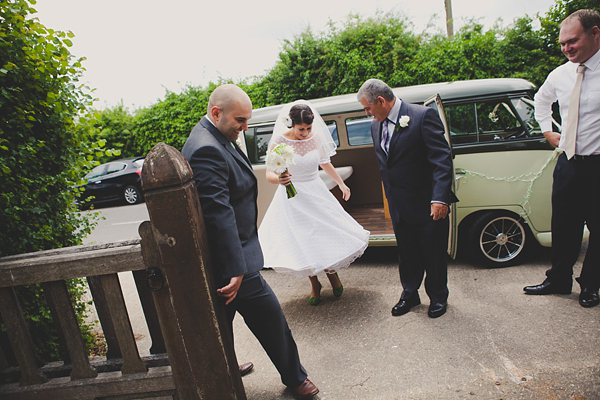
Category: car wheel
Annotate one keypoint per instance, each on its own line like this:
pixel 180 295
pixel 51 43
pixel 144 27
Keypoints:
pixel 131 195
pixel 498 239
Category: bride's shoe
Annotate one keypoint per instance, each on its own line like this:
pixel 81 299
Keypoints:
pixel 338 292
pixel 313 301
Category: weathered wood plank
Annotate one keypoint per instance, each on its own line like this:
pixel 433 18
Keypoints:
pixel 20 339
pixel 101 304
pixel 132 363
pixel 156 382
pixel 70 250
pixel 57 295
pixel 158 341
pixel 194 323
pixel 71 265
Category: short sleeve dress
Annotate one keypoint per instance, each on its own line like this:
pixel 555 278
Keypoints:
pixel 310 232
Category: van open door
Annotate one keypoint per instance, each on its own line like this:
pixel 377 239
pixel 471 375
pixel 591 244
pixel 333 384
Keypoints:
pixel 435 102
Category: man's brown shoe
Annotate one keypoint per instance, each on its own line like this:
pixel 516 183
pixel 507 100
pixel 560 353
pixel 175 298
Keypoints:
pixel 245 368
pixel 306 390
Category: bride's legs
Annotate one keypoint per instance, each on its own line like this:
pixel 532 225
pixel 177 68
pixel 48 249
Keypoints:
pixel 315 294
pixel 336 284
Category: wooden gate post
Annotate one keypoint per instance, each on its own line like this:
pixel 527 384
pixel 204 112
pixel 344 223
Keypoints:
pixel 197 336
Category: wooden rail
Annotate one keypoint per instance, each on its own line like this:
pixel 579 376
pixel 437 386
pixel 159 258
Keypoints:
pixel 100 264
pixel 172 258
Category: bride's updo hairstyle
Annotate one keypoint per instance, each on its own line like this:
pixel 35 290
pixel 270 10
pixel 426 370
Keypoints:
pixel 301 114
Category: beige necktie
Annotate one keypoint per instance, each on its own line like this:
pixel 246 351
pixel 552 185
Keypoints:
pixel 573 118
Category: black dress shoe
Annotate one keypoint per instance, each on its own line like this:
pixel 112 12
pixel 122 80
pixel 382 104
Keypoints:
pixel 245 368
pixel 404 305
pixel 589 298
pixel 437 309
pixel 547 288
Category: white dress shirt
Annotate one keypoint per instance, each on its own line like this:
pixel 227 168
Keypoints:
pixel 391 120
pixel 558 87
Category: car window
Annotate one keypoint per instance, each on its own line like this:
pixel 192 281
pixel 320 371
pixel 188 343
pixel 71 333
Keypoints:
pixel 462 123
pixel 115 167
pixel 332 125
pixel 524 107
pixel 485 121
pixel 138 163
pixel 96 172
pixel 359 130
pixel 496 121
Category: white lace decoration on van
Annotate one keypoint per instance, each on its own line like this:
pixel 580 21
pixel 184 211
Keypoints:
pixel 530 178
pixel 404 120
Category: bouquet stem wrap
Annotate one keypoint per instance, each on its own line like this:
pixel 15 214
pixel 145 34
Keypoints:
pixel 290 190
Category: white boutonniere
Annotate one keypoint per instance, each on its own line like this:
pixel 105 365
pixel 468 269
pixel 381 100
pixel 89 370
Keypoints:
pixel 404 120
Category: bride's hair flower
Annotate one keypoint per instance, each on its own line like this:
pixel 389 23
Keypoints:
pixel 287 121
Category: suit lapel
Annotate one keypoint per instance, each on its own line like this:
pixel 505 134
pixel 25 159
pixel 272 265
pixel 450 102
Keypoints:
pixel 398 130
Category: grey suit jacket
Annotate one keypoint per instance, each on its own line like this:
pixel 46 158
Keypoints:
pixel 227 189
pixel 418 169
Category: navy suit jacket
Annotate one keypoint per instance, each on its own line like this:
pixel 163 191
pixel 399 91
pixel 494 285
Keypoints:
pixel 418 168
pixel 227 189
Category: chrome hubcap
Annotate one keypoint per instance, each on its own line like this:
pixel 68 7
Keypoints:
pixel 130 195
pixel 502 239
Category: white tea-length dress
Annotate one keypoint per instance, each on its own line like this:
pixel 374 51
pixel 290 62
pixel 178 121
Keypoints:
pixel 310 232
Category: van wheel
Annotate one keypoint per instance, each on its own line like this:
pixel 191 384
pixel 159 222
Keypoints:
pixel 497 239
pixel 131 195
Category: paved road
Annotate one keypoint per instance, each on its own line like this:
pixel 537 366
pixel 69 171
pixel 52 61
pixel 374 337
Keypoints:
pixel 493 343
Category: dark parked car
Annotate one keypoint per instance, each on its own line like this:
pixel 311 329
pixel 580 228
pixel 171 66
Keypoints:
pixel 118 180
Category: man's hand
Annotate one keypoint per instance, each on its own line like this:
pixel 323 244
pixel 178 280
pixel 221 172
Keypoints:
pixel 438 211
pixel 231 290
pixel 552 137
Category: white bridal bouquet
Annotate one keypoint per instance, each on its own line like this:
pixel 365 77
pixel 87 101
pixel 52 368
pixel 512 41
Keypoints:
pixel 278 161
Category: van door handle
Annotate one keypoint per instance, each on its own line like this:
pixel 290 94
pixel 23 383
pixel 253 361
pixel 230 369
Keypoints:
pixel 460 171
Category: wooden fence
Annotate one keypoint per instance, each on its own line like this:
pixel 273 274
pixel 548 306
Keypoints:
pixel 192 353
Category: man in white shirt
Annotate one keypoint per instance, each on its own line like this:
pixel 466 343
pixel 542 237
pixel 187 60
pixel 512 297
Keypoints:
pixel 576 188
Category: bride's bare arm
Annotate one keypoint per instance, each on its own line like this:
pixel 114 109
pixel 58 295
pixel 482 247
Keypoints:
pixel 330 170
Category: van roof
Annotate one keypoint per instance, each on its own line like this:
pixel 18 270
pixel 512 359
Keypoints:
pixel 412 94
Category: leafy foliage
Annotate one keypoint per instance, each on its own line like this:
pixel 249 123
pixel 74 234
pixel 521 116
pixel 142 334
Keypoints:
pixel 337 61
pixel 42 155
pixel 171 119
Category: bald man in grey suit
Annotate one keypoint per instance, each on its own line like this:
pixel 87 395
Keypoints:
pixel 227 189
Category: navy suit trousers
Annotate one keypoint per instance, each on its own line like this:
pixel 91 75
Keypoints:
pixel 263 315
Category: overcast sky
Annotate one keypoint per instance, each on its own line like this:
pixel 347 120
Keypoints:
pixel 137 49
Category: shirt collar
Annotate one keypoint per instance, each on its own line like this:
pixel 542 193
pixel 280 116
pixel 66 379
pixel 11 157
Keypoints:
pixel 593 62
pixel 393 115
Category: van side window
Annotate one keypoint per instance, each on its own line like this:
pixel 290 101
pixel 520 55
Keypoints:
pixel 333 131
pixel 359 131
pixel 486 121
pixel 497 121
pixel 525 109
pixel 257 141
pixel 263 135
pixel 462 123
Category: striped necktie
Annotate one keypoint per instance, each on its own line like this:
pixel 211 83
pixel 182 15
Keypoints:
pixel 385 136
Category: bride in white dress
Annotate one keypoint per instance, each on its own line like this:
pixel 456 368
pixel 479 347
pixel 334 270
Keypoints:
pixel 309 233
